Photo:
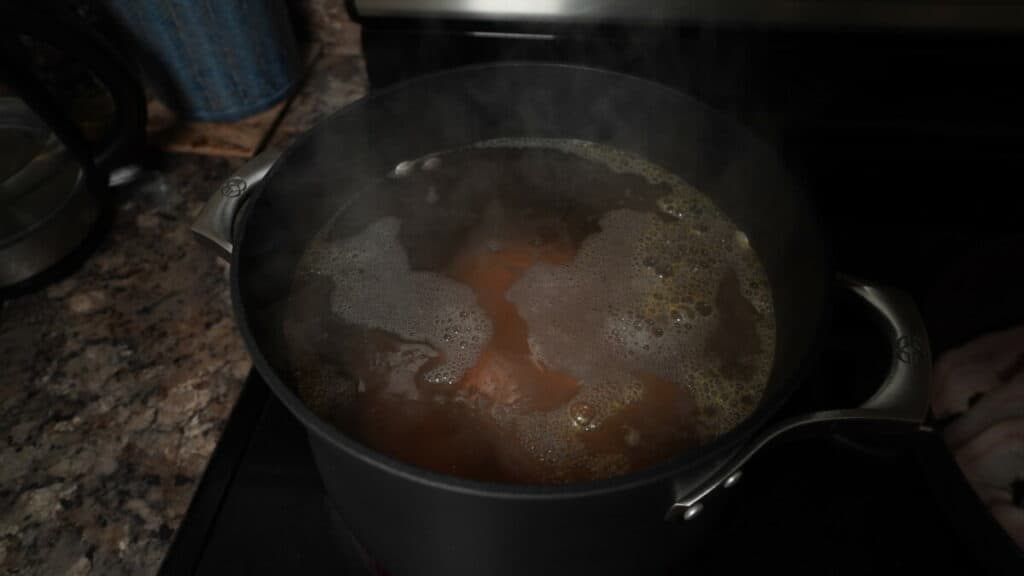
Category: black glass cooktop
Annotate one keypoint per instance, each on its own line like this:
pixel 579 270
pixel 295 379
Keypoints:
pixel 261 507
pixel 827 505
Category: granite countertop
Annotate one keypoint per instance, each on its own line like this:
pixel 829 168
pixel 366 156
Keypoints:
pixel 117 380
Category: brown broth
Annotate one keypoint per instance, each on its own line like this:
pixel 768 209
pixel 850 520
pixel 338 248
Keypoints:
pixel 524 311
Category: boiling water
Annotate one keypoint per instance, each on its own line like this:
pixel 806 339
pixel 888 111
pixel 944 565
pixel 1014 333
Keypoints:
pixel 531 311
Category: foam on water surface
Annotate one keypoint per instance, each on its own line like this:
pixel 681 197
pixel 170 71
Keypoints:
pixel 635 317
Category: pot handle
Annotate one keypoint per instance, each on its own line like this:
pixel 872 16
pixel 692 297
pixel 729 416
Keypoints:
pixel 215 223
pixel 900 403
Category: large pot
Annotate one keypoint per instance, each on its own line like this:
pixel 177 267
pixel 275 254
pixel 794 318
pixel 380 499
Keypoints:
pixel 418 522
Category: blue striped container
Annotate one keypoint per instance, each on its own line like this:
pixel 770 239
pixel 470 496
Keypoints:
pixel 213 60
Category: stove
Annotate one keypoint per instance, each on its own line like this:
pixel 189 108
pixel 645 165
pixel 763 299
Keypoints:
pixel 908 139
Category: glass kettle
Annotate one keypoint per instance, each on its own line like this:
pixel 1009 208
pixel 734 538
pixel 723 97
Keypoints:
pixel 71 111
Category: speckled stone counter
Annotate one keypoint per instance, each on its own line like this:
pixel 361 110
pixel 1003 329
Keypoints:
pixel 116 381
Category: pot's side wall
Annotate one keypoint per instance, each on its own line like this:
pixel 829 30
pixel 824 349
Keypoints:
pixel 414 529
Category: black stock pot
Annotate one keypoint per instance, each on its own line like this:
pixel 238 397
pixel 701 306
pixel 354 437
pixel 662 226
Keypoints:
pixel 415 521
